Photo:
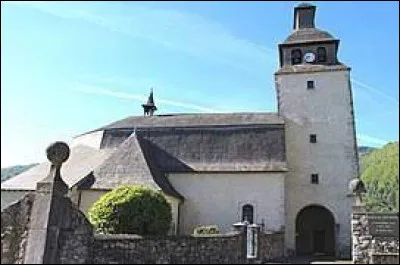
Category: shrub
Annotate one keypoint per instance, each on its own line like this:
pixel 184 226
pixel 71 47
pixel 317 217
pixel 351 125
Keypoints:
pixel 206 230
pixel 131 210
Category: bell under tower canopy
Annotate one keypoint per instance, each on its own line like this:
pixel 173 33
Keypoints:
pixel 307 45
pixel 304 29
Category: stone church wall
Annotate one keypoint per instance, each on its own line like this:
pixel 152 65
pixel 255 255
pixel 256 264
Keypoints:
pixel 264 191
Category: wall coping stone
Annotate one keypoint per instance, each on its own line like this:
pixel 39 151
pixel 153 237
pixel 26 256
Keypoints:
pixel 155 237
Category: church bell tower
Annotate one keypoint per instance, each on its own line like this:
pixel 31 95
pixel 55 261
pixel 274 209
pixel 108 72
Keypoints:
pixel 314 97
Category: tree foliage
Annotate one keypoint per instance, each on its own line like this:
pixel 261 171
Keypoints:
pixel 380 173
pixel 131 210
pixel 206 230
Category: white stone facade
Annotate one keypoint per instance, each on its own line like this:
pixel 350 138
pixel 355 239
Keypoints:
pixel 327 112
pixel 217 199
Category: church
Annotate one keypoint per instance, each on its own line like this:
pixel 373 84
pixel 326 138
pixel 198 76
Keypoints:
pixel 286 171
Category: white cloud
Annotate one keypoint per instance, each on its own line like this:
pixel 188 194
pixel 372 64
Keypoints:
pixel 118 94
pixel 364 139
pixel 180 30
pixel 375 90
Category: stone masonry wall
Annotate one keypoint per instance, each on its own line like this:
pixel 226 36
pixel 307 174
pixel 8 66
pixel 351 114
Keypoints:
pixel 366 248
pixel 78 245
pixel 76 237
pixel 14 230
pixel 384 258
pixel 361 238
pixel 271 246
pixel 222 249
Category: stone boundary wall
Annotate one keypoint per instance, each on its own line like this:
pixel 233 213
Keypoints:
pixel 383 258
pixel 368 249
pixel 211 249
pixel 76 237
pixel 131 249
pixel 76 243
pixel 271 246
pixel 15 222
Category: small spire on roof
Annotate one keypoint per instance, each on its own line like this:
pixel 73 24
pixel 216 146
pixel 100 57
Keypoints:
pixel 149 107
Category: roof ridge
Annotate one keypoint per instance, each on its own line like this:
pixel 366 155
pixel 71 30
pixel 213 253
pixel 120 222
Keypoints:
pixel 131 159
pixel 194 120
pixel 157 174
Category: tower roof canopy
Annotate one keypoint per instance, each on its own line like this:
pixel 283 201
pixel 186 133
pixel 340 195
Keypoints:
pixel 303 5
pixel 304 29
pixel 308 35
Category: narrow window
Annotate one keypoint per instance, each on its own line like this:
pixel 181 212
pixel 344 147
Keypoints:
pixel 313 138
pixel 296 56
pixel 314 179
pixel 310 84
pixel 247 213
pixel 321 54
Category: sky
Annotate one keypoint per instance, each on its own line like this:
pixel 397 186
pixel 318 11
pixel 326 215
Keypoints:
pixel 71 67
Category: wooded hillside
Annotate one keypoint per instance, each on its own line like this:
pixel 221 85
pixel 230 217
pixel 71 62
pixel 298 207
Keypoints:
pixel 380 173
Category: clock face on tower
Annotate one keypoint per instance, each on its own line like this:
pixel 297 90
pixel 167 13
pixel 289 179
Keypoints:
pixel 309 57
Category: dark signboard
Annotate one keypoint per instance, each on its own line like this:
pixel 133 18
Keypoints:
pixel 383 224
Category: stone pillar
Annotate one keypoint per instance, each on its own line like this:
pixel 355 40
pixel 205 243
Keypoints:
pixel 241 228
pixel 253 240
pixel 361 239
pixel 47 216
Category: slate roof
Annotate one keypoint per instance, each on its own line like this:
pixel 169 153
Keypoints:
pixel 130 164
pixel 246 148
pixel 81 162
pixel 195 120
pixel 308 35
pixel 143 150
pixel 304 4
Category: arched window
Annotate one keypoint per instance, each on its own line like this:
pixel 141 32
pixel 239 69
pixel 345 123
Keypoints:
pixel 296 56
pixel 247 213
pixel 321 53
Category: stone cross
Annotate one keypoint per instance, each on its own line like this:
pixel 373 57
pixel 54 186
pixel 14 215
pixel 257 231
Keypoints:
pixel 48 210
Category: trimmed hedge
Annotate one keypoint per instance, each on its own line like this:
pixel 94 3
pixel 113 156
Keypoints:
pixel 131 210
pixel 206 230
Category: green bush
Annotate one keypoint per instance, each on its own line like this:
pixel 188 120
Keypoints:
pixel 131 210
pixel 206 230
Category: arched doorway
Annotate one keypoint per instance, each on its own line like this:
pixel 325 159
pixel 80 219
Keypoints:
pixel 315 231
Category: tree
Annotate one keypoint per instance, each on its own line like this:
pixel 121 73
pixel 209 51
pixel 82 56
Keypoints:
pixel 380 173
pixel 131 210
